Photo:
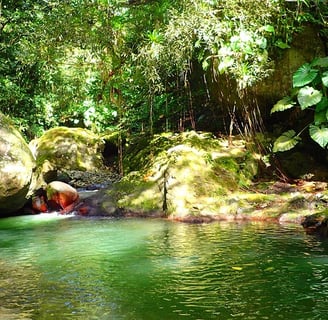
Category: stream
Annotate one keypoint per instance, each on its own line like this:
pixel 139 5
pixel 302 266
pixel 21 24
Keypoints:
pixel 59 267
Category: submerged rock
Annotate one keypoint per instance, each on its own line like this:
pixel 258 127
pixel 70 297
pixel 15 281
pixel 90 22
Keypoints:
pixel 316 224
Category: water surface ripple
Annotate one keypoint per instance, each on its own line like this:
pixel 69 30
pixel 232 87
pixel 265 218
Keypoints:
pixel 55 268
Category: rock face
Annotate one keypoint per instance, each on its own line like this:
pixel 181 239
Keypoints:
pixel 306 46
pixel 317 224
pixel 63 148
pixel 186 174
pixel 16 168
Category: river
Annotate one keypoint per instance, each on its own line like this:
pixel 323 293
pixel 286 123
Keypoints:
pixel 54 267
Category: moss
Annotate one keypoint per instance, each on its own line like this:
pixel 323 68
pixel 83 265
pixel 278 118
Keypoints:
pixel 187 173
pixel 70 148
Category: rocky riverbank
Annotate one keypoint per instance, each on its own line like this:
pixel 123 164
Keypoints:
pixel 189 176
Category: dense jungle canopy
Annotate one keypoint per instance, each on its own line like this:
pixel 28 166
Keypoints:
pixel 140 65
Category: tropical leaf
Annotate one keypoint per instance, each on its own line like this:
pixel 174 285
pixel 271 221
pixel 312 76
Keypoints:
pixel 319 135
pixel 282 45
pixel 286 141
pixel 320 62
pixel 322 105
pixel 304 75
pixel 268 28
pixel 320 117
pixel 308 96
pixel 324 78
pixel 283 104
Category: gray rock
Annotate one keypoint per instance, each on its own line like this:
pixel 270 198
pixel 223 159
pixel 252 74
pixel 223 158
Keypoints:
pixel 16 168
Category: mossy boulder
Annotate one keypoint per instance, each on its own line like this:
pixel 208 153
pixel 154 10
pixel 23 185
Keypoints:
pixel 64 148
pixel 317 223
pixel 16 168
pixel 195 177
pixel 184 174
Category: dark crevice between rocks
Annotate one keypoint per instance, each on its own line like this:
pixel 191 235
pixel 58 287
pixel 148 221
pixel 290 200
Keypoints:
pixel 110 154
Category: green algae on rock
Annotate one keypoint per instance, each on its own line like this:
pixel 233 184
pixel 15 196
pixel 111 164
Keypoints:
pixel 190 173
pixel 63 148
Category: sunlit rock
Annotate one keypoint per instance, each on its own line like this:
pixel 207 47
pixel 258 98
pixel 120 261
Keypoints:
pixel 65 148
pixel 185 174
pixel 16 168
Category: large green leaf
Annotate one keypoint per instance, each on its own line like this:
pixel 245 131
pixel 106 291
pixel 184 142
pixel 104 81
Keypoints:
pixel 286 141
pixel 320 117
pixel 304 75
pixel 320 62
pixel 281 44
pixel 324 78
pixel 319 135
pixel 322 105
pixel 283 104
pixel 308 96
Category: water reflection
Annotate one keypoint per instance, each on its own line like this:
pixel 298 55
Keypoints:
pixel 154 269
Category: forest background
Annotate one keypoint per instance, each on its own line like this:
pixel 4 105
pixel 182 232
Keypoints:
pixel 148 66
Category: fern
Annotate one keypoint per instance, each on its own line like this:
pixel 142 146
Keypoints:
pixel 286 141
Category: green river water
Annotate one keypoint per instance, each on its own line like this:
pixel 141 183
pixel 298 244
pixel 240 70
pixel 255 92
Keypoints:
pixel 62 268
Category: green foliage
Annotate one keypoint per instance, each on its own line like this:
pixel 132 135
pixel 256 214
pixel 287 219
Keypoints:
pixel 235 37
pixel 114 64
pixel 283 104
pixel 304 75
pixel 311 81
pixel 319 135
pixel 286 141
pixel 308 96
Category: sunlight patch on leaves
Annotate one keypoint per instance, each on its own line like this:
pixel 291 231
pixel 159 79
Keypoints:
pixel 286 141
pixel 319 135
pixel 308 96
pixel 324 78
pixel 283 104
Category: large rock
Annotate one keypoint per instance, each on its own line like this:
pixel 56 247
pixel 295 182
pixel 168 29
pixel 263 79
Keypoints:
pixel 16 168
pixel 185 174
pixel 63 148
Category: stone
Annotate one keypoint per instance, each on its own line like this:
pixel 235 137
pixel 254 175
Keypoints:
pixel 58 196
pixel 316 224
pixel 64 148
pixel 187 174
pixel 16 168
